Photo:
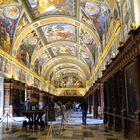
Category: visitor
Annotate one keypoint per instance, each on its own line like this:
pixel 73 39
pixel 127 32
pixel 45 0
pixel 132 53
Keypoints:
pixel 51 103
pixel 19 108
pixel 27 104
pixel 84 108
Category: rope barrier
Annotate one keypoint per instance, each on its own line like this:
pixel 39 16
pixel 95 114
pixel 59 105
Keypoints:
pixel 14 119
pixel 8 115
pixel 123 117
pixel 3 119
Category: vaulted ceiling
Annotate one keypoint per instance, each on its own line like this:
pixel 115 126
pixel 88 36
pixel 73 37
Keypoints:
pixel 60 40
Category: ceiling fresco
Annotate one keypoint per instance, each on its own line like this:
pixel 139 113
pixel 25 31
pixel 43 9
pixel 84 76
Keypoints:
pixel 4 2
pixel 94 14
pixel 9 16
pixel 39 62
pixel 27 47
pixel 56 32
pixel 55 7
pixel 86 58
pixel 67 82
pixel 37 48
pixel 63 50
pixel 61 68
pixel 59 40
pixel 86 38
pixel 23 21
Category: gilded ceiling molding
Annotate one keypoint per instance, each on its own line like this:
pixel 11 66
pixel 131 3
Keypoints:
pixel 106 50
pixel 52 20
pixel 110 2
pixel 41 50
pixel 74 67
pixel 78 89
pixel 71 71
pixel 59 60
pixel 47 74
pixel 98 1
pixel 20 65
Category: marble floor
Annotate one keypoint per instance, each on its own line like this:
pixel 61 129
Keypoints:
pixel 73 130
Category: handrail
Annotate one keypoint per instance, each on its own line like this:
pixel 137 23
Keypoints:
pixel 122 117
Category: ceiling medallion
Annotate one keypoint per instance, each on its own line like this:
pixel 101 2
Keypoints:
pixel 11 12
pixel 92 8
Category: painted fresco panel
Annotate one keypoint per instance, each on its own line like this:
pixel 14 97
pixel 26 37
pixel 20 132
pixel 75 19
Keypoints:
pixel 5 65
pixel 70 93
pixel 37 67
pixel 23 21
pixel 26 48
pixel 9 16
pixel 94 13
pixel 22 75
pixel 39 63
pixel 86 38
pixel 56 32
pixel 68 82
pixel 29 79
pixel 5 42
pixel 126 17
pixel 47 7
pixel 87 41
pixel 86 58
pixel 36 83
pixel 63 50
pixel 44 58
pixel 63 66
pixel 19 74
pixel 38 46
pixel 4 2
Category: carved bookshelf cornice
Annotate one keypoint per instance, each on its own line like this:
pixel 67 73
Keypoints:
pixel 127 52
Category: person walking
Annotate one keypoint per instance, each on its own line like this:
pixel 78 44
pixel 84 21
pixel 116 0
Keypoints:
pixel 84 108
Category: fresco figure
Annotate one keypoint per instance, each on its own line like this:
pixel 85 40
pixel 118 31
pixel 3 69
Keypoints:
pixel 48 5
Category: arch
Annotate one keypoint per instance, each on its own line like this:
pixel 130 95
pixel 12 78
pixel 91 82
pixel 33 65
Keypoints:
pixel 63 60
pixel 40 52
pixel 51 20
pixel 74 72
pixel 70 65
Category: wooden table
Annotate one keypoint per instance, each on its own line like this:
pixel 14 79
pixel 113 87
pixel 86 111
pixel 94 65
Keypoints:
pixel 34 118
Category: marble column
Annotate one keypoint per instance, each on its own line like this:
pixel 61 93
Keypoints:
pixel 7 99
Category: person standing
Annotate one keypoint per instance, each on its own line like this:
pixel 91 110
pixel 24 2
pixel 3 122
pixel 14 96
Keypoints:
pixel 84 108
pixel 51 110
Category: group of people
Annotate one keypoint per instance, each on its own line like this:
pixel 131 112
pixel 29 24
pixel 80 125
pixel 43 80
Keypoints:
pixel 83 106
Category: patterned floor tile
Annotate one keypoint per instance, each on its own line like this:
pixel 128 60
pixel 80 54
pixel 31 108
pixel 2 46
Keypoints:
pixel 88 134
pixel 112 139
pixel 95 130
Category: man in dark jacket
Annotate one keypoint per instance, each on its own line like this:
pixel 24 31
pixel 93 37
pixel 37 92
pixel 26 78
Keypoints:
pixel 84 108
